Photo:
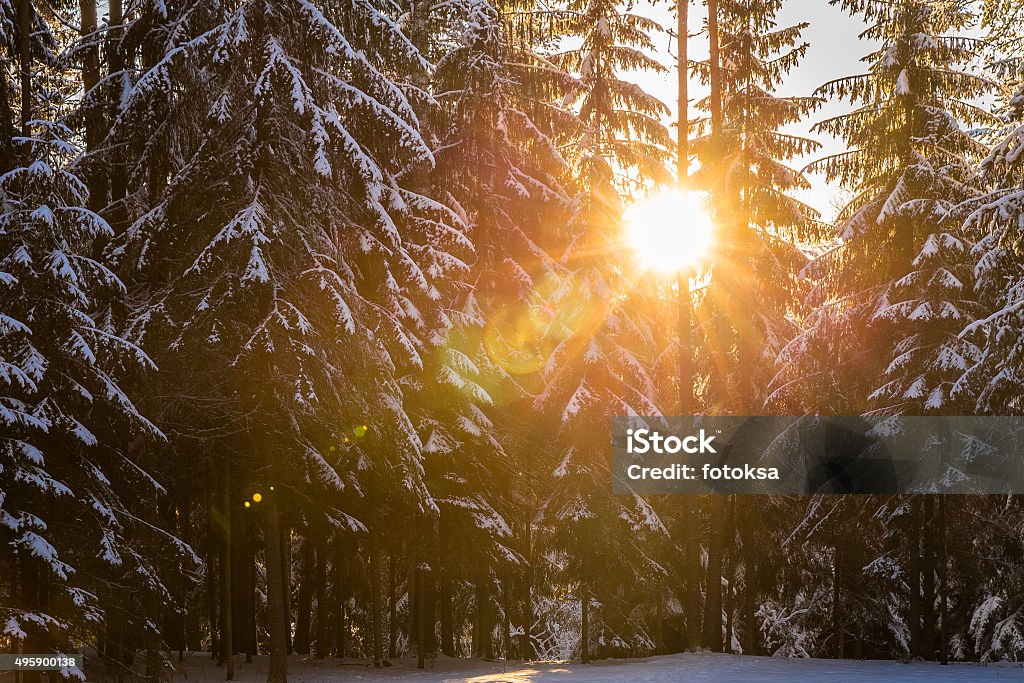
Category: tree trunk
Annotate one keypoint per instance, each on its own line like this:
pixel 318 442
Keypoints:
pixel 688 504
pixel 927 580
pixel 428 589
pixel 94 114
pixel 211 576
pixel 750 573
pixel 506 623
pixel 115 64
pixel 304 607
pixel 8 129
pixel 943 585
pixel 729 550
pixel 483 619
pixel 375 606
pixel 320 584
pixel 414 596
pixel 25 16
pixel 914 567
pixel 340 597
pixel 227 654
pixel 526 649
pixel 250 591
pixel 713 603
pixel 286 583
pixel 182 524
pixel 277 620
pixel 421 635
pixel 683 81
pixel 392 605
pixel 716 73
pixel 713 584
pixel 838 615
pixel 90 54
pixel 693 571
pixel 584 624
pixel 447 617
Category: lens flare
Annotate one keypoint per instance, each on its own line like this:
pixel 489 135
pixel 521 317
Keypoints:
pixel 515 339
pixel 670 231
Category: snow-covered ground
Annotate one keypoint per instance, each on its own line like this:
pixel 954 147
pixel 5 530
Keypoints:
pixel 685 668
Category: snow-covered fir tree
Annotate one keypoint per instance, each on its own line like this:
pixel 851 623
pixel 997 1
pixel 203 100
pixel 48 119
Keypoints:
pixel 747 314
pixel 890 298
pixel 73 516
pixel 992 380
pixel 600 365
pixel 755 272
pixel 499 160
pixel 374 248
pixel 286 268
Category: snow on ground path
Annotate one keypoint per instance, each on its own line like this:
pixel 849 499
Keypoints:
pixel 684 668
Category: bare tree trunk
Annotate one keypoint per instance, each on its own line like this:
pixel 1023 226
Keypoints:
pixel 90 54
pixel 683 80
pixel 25 16
pixel 713 585
pixel 914 567
pixel 716 73
pixel 838 614
pixel 943 585
pixel 115 64
pixel 584 624
pixel 227 653
pixel 693 571
pixel 94 133
pixel 421 635
pixel 506 625
pixel 8 129
pixel 750 573
pixel 304 606
pixel 413 595
pixel 250 591
pixel 392 605
pixel 375 606
pixel 181 522
pixel 320 584
pixel 689 504
pixel 484 622
pixel 928 580
pixel 340 597
pixel 277 621
pixel 526 649
pixel 729 550
pixel 211 576
pixel 447 617
pixel 286 583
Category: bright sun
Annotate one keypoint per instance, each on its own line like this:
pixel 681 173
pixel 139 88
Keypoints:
pixel 670 231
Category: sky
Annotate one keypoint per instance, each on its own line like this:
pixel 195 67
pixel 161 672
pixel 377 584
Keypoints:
pixel 835 51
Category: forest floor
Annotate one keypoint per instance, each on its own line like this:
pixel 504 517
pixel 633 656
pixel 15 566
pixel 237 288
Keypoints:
pixel 685 668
